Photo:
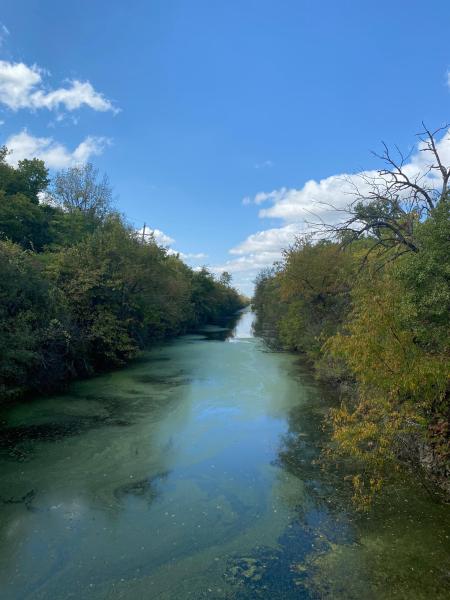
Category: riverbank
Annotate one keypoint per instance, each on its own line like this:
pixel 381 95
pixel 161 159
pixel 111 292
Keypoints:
pixel 220 328
pixel 357 312
pixel 193 472
pixel 82 291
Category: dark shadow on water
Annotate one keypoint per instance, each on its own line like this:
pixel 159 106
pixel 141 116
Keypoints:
pixel 146 489
pixel 222 329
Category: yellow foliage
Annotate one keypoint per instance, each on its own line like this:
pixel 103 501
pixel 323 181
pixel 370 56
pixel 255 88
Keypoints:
pixel 398 380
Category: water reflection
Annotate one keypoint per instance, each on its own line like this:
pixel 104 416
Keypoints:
pixel 193 474
pixel 224 329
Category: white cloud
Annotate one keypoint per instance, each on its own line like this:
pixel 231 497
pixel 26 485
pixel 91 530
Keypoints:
pixel 259 251
pixel 161 238
pixel 55 155
pixel 22 86
pixel 190 255
pixel 165 240
pixel 315 202
pixel 250 264
pixel 421 161
pixel 269 240
pixel 300 209
pixel 262 197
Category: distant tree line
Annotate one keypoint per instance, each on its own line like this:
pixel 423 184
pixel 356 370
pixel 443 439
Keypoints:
pixel 369 308
pixel 80 292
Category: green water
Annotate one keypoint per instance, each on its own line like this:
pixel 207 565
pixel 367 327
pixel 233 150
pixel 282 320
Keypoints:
pixel 192 474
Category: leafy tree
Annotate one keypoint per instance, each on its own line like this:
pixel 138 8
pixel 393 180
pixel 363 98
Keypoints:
pixel 28 321
pixel 81 189
pixel 80 291
pixel 29 178
pixel 372 312
pixel 24 222
pixel 225 278
pixel 22 219
pixel 315 285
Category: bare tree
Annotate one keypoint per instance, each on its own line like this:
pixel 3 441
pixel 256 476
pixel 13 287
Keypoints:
pixel 388 205
pixel 81 188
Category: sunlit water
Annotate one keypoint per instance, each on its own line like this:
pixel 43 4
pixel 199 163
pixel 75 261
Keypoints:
pixel 192 474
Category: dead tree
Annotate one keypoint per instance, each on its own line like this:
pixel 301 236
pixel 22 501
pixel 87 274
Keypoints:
pixel 387 205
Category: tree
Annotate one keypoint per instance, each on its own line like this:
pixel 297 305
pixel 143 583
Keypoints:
pixel 81 189
pixel 389 205
pixel 29 178
pixel 23 219
pixel 24 222
pixel 32 340
pixel 32 178
pixel 79 291
pixel 225 278
pixel 315 283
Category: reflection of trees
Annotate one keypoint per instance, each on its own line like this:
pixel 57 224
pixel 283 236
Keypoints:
pixel 302 450
pixel 92 450
pixel 229 326
pixel 146 488
pixel 387 552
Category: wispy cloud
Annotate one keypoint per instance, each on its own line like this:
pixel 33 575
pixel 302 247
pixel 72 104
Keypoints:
pixel 265 164
pixel 192 255
pixel 261 197
pixel 56 155
pixel 22 86
pixel 4 33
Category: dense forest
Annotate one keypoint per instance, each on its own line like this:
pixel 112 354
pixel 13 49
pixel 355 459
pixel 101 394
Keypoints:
pixel 82 291
pixel 367 301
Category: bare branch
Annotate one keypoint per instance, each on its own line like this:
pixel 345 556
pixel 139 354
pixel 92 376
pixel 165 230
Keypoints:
pixel 387 205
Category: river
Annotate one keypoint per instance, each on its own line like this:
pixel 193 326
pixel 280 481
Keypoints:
pixel 193 473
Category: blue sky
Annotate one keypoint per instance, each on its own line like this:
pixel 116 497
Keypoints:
pixel 211 116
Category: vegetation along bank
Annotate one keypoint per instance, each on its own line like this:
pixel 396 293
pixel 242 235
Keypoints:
pixel 81 291
pixel 369 307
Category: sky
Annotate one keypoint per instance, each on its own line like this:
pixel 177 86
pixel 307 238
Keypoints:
pixel 223 125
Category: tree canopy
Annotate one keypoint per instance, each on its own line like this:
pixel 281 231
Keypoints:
pixel 370 311
pixel 81 292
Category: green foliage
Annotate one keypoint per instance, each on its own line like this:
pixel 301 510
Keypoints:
pixel 426 275
pixel 384 327
pixel 80 189
pixel 315 285
pixel 80 291
pixel 400 383
pixel 268 306
pixel 28 320
pixel 29 178
pixel 306 299
pixel 22 220
pixel 225 278
pixel 212 299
